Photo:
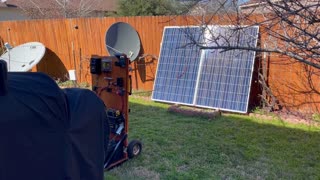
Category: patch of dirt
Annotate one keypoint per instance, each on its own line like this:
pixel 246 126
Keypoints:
pixel 192 111
pixel 296 118
pixel 287 116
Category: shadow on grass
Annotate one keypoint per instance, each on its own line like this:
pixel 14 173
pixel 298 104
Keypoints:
pixel 180 147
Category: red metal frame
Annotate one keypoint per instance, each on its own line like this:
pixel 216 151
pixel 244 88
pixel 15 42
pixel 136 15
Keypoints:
pixel 112 99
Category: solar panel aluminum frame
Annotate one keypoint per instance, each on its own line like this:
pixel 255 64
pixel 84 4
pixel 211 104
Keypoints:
pixel 250 81
pixel 156 74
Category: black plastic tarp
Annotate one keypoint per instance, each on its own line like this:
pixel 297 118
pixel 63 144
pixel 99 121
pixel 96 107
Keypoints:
pixel 50 134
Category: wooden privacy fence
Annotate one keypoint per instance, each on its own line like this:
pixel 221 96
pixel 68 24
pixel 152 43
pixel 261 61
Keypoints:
pixel 71 42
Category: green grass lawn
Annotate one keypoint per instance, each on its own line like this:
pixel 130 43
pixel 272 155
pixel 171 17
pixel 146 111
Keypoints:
pixel 229 147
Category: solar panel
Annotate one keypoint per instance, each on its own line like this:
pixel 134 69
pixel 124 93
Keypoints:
pixel 206 78
pixel 225 77
pixel 178 65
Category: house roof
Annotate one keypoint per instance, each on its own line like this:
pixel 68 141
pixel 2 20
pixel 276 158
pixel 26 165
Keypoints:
pixel 99 5
pixel 254 3
pixel 251 3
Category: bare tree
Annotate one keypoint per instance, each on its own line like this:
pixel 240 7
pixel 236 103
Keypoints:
pixel 292 28
pixel 37 9
pixel 288 28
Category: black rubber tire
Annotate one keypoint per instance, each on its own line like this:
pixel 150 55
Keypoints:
pixel 134 148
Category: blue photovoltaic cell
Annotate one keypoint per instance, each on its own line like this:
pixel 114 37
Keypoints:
pixel 178 65
pixel 225 77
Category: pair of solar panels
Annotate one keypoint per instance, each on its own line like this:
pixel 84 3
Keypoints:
pixel 210 78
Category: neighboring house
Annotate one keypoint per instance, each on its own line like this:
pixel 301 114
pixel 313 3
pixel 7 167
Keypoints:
pixel 43 9
pixel 10 12
pixel 256 6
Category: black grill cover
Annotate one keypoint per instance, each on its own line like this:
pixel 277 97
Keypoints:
pixel 50 134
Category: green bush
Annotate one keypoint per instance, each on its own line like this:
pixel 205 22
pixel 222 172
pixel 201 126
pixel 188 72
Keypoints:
pixel 316 117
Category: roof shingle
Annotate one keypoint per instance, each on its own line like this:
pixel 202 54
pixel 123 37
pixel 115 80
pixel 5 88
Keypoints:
pixel 252 2
pixel 99 5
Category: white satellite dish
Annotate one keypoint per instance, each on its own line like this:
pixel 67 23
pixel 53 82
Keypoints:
pixel 24 57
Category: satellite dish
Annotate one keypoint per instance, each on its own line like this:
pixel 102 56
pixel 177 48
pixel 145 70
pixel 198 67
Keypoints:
pixel 24 57
pixel 123 38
